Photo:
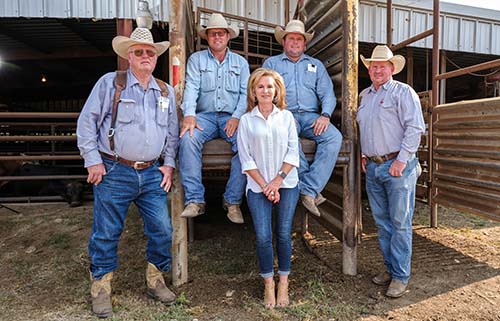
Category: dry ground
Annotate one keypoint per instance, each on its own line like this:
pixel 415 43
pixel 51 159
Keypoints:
pixel 43 271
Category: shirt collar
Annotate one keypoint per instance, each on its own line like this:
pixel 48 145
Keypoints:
pixel 386 86
pixel 256 113
pixel 132 81
pixel 283 56
pixel 211 55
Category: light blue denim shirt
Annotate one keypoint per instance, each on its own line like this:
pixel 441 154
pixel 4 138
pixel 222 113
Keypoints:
pixel 215 87
pixel 307 83
pixel 144 130
pixel 390 120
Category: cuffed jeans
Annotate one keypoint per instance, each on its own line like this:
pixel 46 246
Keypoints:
pixel 314 177
pixel 261 210
pixel 190 155
pixel 392 201
pixel 121 186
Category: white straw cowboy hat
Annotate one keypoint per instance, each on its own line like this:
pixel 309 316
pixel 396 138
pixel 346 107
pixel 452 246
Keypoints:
pixel 294 26
pixel 217 21
pixel 383 53
pixel 140 36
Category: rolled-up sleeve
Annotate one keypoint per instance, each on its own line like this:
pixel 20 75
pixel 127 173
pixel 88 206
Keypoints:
pixel 246 160
pixel 172 139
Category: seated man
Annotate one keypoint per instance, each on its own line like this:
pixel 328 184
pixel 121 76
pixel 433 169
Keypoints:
pixel 307 85
pixel 214 100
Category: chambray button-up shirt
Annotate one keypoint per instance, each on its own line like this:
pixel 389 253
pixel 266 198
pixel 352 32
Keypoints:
pixel 264 144
pixel 390 120
pixel 215 87
pixel 144 130
pixel 307 81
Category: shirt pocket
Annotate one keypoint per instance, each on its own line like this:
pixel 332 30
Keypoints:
pixel 163 116
pixel 309 79
pixel 233 80
pixel 207 80
pixel 126 110
pixel 388 111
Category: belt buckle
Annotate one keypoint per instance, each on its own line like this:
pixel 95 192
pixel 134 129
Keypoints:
pixel 378 159
pixel 137 164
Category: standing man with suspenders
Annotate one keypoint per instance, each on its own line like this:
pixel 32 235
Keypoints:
pixel 128 135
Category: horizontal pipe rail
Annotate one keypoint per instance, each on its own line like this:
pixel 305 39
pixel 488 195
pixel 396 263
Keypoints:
pixel 41 177
pixel 37 115
pixel 466 70
pixel 38 138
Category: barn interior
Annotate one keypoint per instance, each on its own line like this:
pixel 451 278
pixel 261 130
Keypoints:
pixel 50 65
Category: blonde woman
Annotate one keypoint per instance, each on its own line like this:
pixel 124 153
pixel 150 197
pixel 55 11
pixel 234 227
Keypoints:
pixel 269 155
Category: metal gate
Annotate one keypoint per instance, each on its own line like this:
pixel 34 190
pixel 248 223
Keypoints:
pixel 466 157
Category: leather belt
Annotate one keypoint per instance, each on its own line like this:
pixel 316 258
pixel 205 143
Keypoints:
pixel 383 158
pixel 135 165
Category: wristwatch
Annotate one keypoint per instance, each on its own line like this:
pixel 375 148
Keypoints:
pixel 282 174
pixel 325 115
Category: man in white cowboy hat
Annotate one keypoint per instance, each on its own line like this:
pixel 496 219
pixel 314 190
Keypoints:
pixel 390 125
pixel 308 86
pixel 214 100
pixel 129 154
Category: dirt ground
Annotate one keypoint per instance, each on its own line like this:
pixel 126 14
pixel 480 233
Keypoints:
pixel 43 271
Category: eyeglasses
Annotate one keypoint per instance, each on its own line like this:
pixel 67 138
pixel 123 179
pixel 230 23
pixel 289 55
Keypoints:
pixel 140 52
pixel 219 34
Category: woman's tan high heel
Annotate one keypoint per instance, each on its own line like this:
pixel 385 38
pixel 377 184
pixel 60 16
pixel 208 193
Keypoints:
pixel 269 295
pixel 283 300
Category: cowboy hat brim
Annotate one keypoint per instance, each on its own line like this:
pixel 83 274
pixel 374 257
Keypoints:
pixel 280 33
pixel 233 31
pixel 121 44
pixel 397 61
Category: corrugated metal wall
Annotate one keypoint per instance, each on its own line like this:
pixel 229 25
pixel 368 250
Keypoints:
pixel 264 10
pixel 272 11
pixel 98 9
pixel 459 32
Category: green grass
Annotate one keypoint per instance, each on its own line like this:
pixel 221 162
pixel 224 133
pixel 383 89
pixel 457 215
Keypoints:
pixel 61 241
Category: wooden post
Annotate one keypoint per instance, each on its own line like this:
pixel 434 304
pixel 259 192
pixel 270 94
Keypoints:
pixel 177 55
pixel 349 110
pixel 123 28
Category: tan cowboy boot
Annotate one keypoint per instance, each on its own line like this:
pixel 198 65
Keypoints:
pixel 193 210
pixel 156 286
pixel 100 291
pixel 233 212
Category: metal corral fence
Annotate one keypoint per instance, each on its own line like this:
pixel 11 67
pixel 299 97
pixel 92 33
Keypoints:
pixel 45 138
pixel 466 156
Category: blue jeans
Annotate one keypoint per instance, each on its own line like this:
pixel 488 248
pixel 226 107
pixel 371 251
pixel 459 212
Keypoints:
pixel 121 186
pixel 314 177
pixel 261 210
pixel 190 159
pixel 392 200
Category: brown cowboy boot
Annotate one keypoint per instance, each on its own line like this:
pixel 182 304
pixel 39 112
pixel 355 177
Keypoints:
pixel 100 291
pixel 156 286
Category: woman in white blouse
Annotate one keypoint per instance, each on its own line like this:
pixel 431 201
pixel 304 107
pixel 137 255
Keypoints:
pixel 269 155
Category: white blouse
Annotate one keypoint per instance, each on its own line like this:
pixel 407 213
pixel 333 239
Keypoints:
pixel 264 144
